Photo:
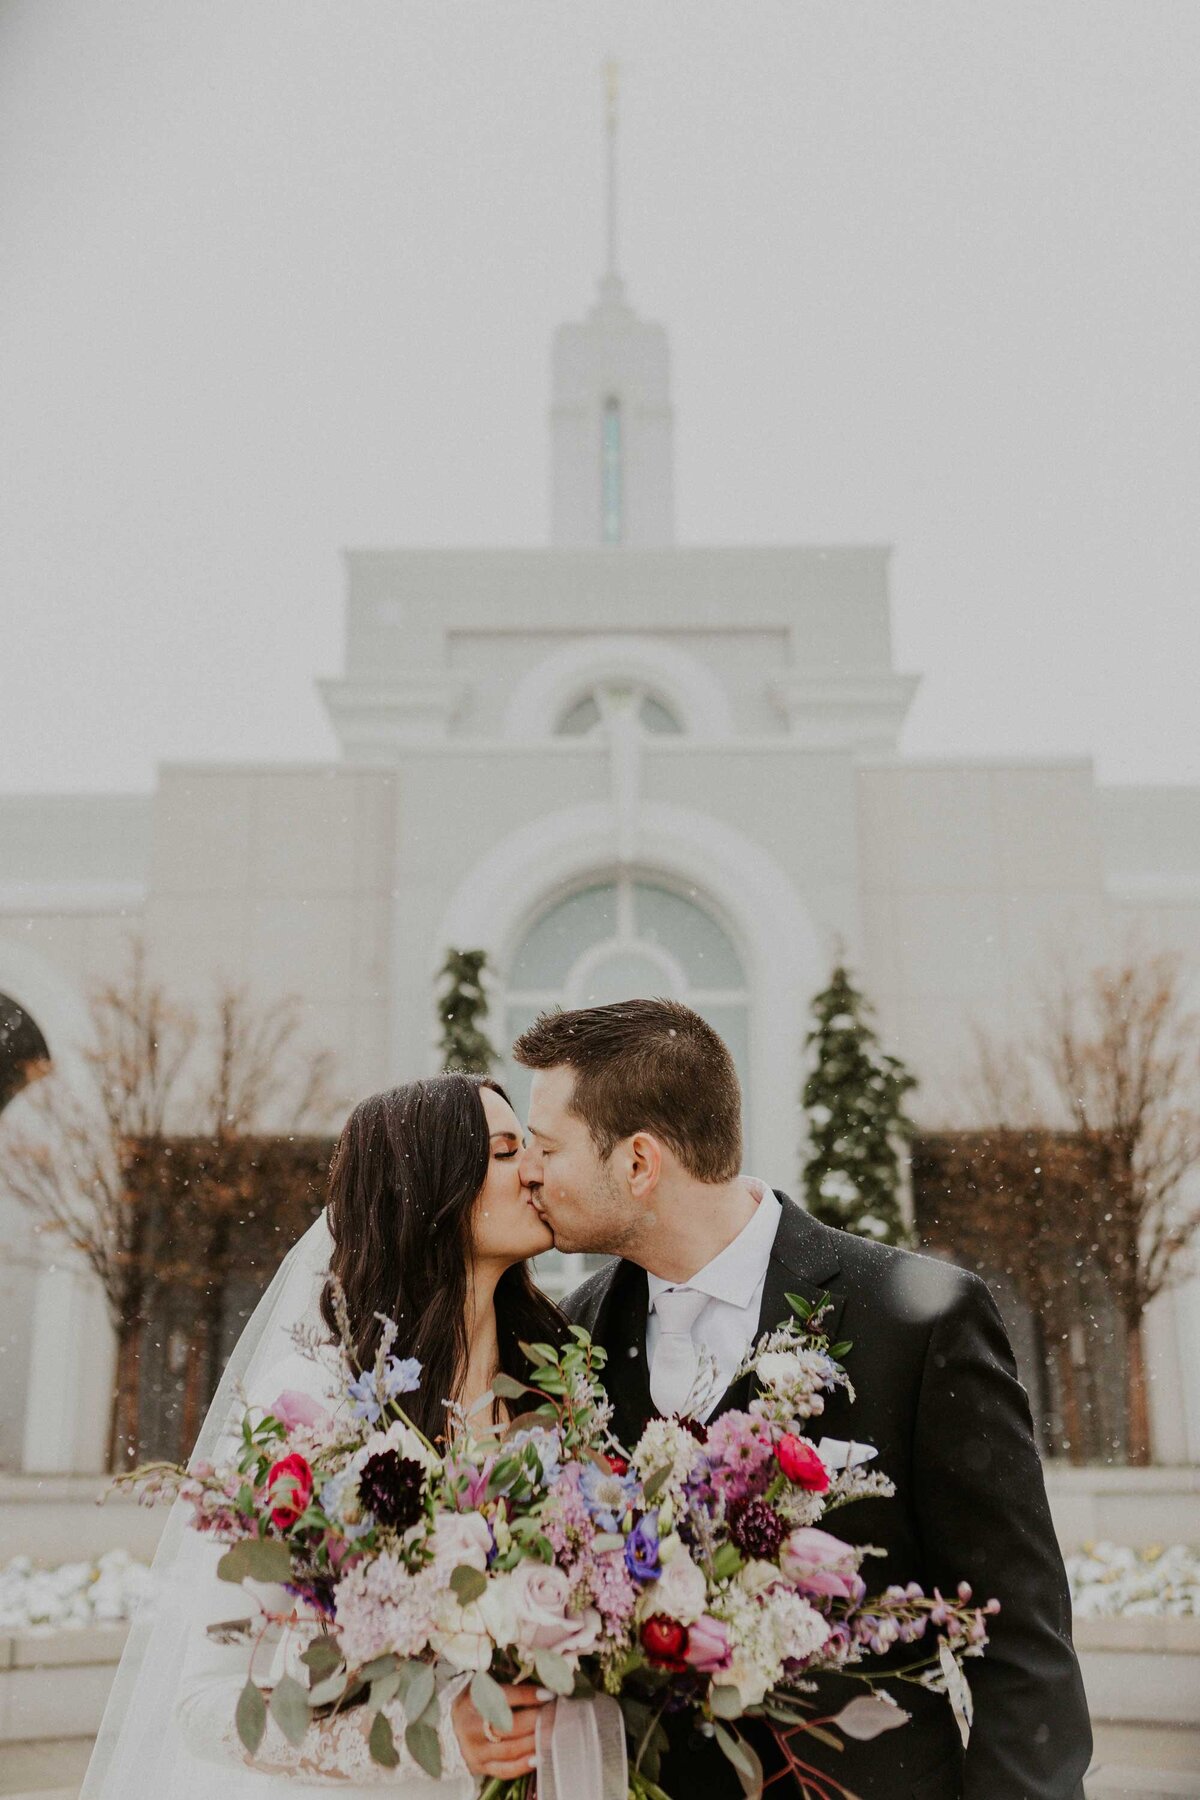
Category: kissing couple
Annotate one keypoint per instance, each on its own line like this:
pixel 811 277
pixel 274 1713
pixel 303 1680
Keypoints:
pixel 438 1199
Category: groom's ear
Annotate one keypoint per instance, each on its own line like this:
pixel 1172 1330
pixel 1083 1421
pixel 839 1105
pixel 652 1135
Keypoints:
pixel 644 1163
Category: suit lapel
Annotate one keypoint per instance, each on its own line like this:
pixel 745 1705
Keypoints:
pixel 621 1328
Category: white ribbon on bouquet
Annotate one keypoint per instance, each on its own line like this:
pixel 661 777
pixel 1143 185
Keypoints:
pixel 581 1751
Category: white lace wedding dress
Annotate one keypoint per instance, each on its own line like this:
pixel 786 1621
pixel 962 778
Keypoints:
pixel 169 1732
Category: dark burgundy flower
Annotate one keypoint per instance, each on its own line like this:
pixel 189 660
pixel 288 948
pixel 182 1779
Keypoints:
pixel 756 1528
pixel 390 1485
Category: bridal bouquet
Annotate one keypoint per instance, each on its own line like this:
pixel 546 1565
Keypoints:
pixel 690 1575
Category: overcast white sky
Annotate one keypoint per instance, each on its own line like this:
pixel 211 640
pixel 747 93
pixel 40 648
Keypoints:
pixel 278 278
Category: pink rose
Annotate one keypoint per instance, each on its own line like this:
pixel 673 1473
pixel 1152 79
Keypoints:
pixel 294 1408
pixel 818 1563
pixel 708 1648
pixel 540 1594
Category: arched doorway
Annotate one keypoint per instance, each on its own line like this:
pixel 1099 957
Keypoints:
pixel 24 1053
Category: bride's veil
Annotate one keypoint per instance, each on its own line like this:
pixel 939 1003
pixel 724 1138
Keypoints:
pixel 139 1751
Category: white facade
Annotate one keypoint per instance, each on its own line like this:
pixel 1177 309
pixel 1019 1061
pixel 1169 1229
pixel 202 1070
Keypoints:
pixel 616 765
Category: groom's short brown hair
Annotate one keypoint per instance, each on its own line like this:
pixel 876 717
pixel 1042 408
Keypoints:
pixel 646 1065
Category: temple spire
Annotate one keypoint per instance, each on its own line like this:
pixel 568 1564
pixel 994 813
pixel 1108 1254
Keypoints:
pixel 612 279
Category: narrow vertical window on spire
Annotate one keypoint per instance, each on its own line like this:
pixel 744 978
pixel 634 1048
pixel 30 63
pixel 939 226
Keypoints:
pixel 610 470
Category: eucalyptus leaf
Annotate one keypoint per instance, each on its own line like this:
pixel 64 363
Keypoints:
pixel 734 1750
pixel 726 1702
pixel 233 1566
pixel 384 1691
pixel 490 1703
pixel 868 1715
pixel 251 1717
pixel 554 1672
pixel 418 1692
pixel 468 1584
pixel 824 1737
pixel 323 1656
pixel 324 1693
pixel 655 1482
pixel 422 1741
pixel 262 1559
pixel 381 1743
pixel 379 1665
pixel 289 1709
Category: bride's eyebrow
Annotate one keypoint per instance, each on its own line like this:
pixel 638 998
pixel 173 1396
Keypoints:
pixel 511 1136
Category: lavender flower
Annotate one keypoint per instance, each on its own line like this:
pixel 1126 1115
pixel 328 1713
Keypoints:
pixel 401 1375
pixel 364 1401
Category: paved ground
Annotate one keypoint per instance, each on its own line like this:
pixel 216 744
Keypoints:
pixel 1128 1761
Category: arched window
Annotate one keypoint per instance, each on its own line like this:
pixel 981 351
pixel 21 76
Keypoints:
pixel 591 712
pixel 622 939
pixel 24 1054
pixel 611 523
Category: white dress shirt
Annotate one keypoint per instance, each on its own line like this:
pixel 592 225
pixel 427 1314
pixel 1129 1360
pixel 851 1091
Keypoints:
pixel 734 1281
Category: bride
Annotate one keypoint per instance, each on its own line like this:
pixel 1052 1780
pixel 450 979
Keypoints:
pixel 428 1224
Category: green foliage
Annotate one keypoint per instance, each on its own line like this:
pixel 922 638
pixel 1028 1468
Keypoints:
pixel 854 1099
pixel 489 1700
pixel 462 1009
pixel 259 1559
pixel 251 1717
pixel 468 1584
pixel 381 1743
pixel 289 1709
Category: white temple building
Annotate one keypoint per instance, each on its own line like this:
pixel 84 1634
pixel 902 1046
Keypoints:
pixel 619 765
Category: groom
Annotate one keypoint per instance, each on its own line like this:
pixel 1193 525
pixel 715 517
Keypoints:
pixel 634 1150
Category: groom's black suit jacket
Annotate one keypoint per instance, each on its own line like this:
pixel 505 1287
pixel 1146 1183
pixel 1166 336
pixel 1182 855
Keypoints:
pixel 938 1395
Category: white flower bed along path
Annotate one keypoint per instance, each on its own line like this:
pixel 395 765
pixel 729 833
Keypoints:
pixel 80 1593
pixel 1110 1581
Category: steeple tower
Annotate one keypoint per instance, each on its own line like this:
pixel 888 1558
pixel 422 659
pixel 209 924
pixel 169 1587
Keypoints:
pixel 610 416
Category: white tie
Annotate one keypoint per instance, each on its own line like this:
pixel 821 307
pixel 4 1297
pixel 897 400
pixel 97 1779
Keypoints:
pixel 676 1358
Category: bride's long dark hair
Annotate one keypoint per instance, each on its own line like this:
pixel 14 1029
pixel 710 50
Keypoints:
pixel 405 1176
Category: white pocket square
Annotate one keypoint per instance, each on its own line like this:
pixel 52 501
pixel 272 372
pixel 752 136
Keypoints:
pixel 837 1454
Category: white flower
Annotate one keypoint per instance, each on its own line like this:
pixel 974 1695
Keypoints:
pixel 461 1633
pixel 779 1369
pixel 666 1444
pixel 800 1630
pixel 680 1591
pixel 460 1540
pixel 759 1578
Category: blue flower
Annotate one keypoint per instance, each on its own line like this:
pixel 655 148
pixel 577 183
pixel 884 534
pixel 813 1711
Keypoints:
pixel 547 1446
pixel 400 1376
pixel 364 1401
pixel 607 1497
pixel 641 1549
